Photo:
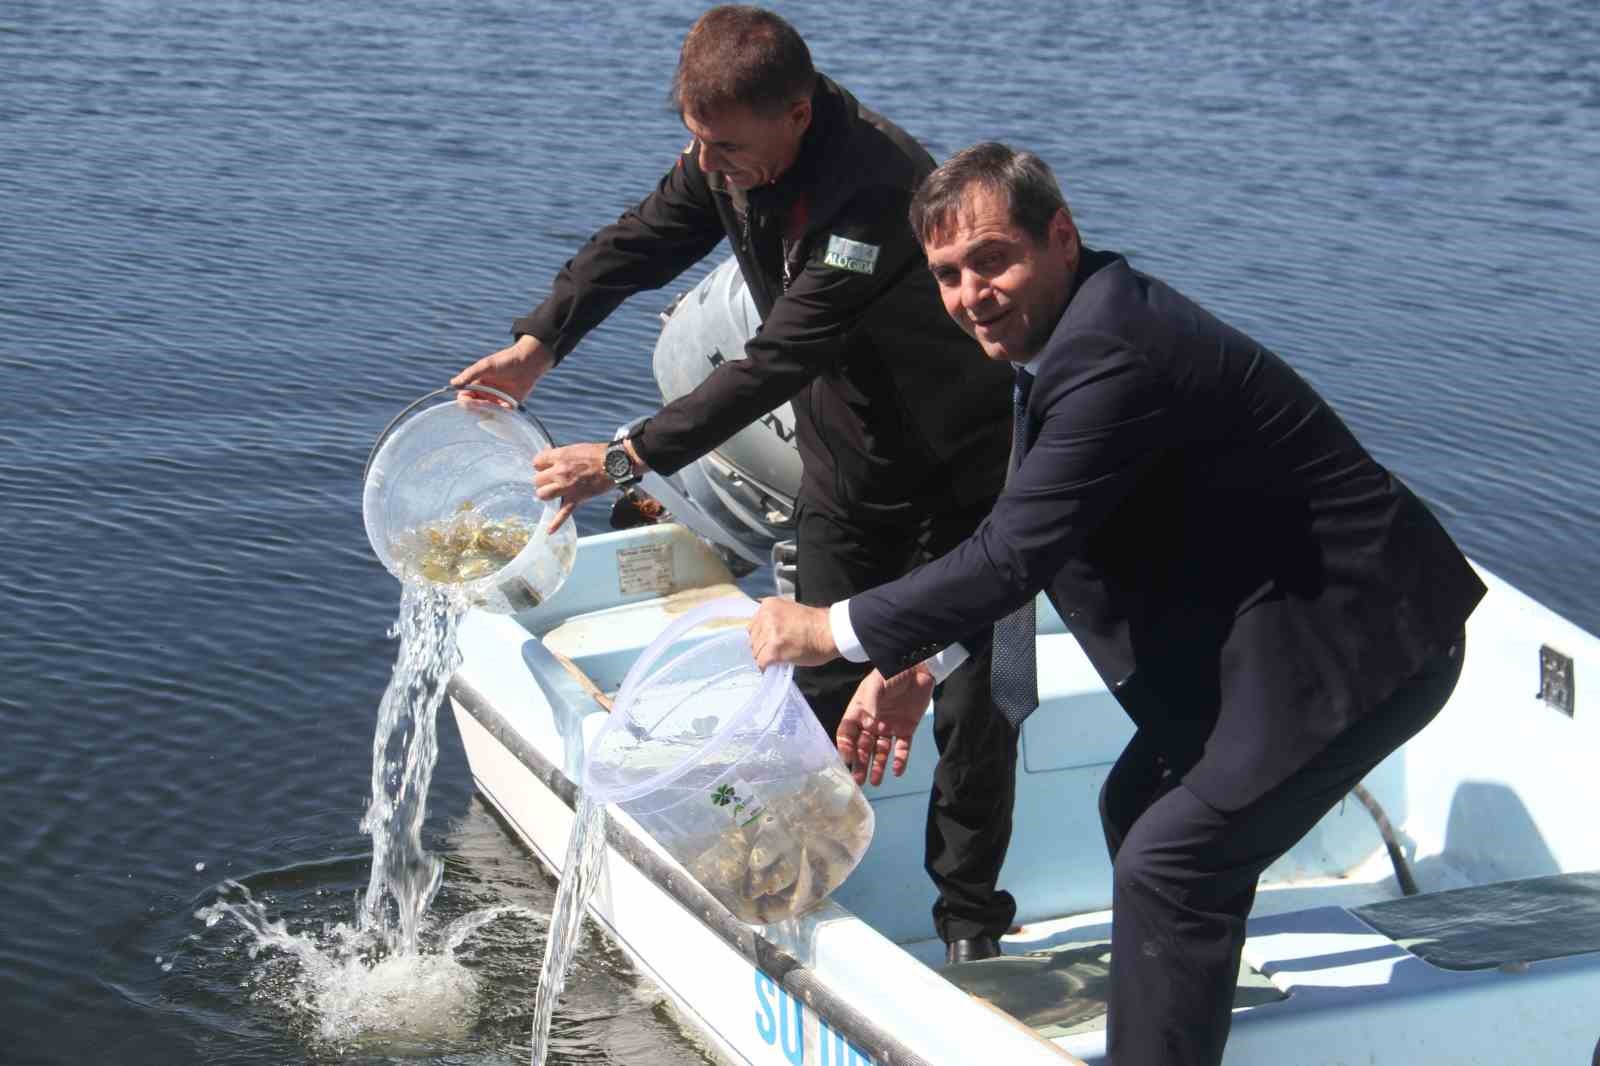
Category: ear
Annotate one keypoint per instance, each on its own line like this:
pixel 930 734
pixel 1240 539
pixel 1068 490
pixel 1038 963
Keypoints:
pixel 799 115
pixel 1064 235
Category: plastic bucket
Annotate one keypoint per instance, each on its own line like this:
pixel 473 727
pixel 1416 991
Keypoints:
pixel 726 767
pixel 449 498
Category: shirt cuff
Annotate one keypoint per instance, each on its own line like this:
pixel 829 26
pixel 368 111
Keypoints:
pixel 844 634
pixel 945 662
pixel 940 666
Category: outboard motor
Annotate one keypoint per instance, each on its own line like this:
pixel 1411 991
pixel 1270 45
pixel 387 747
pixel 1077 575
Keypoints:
pixel 741 496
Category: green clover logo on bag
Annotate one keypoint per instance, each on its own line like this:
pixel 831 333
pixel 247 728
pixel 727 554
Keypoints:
pixel 723 795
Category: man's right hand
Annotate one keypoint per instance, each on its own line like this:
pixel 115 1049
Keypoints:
pixel 512 370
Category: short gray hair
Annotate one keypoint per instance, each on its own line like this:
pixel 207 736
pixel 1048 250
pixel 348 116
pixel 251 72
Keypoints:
pixel 1022 178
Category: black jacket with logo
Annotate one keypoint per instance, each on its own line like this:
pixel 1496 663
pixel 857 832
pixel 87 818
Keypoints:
pixel 897 411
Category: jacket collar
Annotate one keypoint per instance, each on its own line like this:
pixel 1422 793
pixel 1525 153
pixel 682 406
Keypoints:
pixel 1090 263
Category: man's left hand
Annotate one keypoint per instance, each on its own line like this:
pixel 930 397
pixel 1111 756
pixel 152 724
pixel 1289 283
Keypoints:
pixel 575 472
pixel 786 632
pixel 883 714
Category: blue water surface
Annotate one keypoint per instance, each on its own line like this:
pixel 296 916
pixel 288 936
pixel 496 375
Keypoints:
pixel 237 236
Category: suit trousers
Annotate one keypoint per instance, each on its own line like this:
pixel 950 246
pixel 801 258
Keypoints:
pixel 1185 874
pixel 974 783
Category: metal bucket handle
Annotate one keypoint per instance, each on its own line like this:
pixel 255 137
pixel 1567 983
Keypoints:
pixel 450 390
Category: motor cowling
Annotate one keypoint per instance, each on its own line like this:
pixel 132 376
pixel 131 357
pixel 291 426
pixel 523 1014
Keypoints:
pixel 745 489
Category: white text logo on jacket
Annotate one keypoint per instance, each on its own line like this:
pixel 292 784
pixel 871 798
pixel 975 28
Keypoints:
pixel 851 255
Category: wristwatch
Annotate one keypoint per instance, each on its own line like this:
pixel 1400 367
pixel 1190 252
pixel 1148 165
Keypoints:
pixel 619 464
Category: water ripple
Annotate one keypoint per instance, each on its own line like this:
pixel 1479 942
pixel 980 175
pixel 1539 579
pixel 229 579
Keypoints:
pixel 240 235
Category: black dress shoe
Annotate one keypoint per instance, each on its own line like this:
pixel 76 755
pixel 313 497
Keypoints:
pixel 973 949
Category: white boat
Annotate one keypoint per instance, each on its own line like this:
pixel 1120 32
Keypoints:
pixel 1445 913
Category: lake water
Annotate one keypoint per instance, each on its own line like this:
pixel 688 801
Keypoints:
pixel 237 236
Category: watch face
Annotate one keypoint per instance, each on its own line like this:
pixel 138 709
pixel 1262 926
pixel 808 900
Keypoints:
pixel 618 465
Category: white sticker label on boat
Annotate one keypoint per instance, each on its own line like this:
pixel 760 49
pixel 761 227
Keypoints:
pixel 644 569
pixel 851 255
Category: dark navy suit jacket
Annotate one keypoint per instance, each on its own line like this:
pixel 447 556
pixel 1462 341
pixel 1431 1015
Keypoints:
pixel 1246 579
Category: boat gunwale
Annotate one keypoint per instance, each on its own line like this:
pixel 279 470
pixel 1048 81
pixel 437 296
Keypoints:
pixel 792 975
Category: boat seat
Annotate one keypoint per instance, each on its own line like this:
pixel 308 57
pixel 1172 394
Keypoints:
pixel 1486 926
pixel 604 645
pixel 1061 990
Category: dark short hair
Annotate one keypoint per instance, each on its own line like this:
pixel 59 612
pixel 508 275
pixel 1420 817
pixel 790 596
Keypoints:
pixel 1023 178
pixel 737 56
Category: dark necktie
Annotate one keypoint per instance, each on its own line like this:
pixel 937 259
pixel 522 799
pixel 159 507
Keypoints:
pixel 1013 674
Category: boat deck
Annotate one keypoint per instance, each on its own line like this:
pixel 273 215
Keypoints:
pixel 1054 974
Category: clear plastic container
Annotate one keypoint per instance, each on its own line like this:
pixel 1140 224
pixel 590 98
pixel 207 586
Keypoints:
pixel 449 498
pixel 726 767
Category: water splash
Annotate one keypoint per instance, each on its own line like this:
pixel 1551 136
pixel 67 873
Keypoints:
pixel 372 982
pixel 376 983
pixel 405 747
pixel 585 848
pixel 355 996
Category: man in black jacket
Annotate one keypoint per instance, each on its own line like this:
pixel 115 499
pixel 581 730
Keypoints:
pixel 902 427
pixel 1274 610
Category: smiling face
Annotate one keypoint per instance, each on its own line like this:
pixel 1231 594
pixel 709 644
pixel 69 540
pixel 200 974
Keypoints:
pixel 749 148
pixel 1003 286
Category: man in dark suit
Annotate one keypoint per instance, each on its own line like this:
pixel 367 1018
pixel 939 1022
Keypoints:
pixel 1274 609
